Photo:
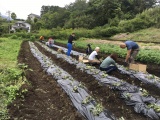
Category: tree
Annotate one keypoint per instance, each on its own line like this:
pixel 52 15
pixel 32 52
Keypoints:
pixel 13 16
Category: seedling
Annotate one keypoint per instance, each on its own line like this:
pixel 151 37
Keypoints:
pixel 155 107
pixel 24 68
pixel 144 92
pixel 75 89
pixel 117 84
pixel 87 100
pixel 97 109
pixel 81 85
pixel 88 67
pixel 127 95
pixel 121 118
pixel 104 75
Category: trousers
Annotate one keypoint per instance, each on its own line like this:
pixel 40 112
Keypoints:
pixel 69 46
pixel 109 69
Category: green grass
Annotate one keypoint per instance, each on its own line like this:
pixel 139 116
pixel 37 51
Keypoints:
pixel 9 49
pixel 149 35
pixel 145 55
pixel 10 74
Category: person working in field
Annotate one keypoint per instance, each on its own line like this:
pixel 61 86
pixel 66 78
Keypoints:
pixel 132 51
pixel 50 42
pixel 41 39
pixel 69 44
pixel 109 64
pixel 89 49
pixel 93 57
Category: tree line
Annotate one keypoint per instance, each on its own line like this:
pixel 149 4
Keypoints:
pixel 91 14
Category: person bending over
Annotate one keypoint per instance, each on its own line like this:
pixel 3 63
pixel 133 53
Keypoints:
pixel 132 50
pixel 109 64
pixel 93 57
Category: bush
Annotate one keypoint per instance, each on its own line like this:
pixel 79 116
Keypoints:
pixel 14 37
pixel 108 32
pixel 32 37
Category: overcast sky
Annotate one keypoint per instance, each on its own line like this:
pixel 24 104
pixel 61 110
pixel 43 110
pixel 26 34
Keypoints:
pixel 23 8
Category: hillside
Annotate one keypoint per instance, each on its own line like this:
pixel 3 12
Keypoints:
pixel 149 35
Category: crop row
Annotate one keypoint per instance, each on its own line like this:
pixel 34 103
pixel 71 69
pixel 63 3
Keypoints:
pixel 145 55
pixel 133 95
pixel 144 77
pixel 85 104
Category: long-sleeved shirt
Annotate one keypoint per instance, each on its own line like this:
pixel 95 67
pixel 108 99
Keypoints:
pixel 70 39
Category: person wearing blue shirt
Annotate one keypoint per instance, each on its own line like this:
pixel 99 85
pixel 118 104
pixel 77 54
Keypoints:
pixel 70 42
pixel 132 50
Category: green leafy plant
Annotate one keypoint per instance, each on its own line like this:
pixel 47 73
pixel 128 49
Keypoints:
pixel 97 109
pixel 87 100
pixel 155 107
pixel 11 91
pixel 127 95
pixel 75 88
pixel 24 68
pixel 144 92
pixel 104 75
pixel 81 85
pixel 121 118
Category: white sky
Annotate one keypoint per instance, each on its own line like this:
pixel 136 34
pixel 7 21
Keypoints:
pixel 22 8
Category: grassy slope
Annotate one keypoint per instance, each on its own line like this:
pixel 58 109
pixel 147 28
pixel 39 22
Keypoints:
pixel 150 35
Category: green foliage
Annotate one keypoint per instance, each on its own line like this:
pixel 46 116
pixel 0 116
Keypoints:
pixel 45 32
pixel 146 56
pixel 13 16
pixel 97 109
pixel 21 35
pixel 32 37
pixel 91 14
pixel 11 92
pixel 10 74
pixel 144 20
pixel 13 37
pixel 108 32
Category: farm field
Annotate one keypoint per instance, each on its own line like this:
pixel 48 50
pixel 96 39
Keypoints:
pixel 150 57
pixel 44 99
pixel 46 95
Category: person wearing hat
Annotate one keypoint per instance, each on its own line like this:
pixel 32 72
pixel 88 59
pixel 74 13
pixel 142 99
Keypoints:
pixel 132 50
pixel 89 49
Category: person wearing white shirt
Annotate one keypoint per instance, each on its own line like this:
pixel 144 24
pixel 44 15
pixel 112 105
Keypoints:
pixel 93 57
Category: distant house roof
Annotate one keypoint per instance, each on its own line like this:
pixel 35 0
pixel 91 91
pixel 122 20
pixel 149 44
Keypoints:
pixel 34 15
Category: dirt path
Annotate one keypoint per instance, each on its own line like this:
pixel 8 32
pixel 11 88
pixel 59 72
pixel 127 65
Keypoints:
pixel 109 98
pixel 45 100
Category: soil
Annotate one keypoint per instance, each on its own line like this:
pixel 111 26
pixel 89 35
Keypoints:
pixel 109 98
pixel 151 68
pixel 45 100
pixel 134 81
